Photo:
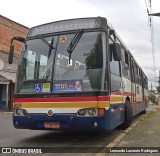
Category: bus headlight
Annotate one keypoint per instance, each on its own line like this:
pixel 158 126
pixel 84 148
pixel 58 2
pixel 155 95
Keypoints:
pixel 21 112
pixel 82 112
pixel 91 111
pixel 88 112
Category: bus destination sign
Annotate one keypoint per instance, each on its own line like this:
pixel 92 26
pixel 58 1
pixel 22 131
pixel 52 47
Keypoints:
pixel 72 24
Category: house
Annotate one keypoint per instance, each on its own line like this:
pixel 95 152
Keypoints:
pixel 8 29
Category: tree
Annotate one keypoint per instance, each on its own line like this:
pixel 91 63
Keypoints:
pixel 152 98
pixel 158 89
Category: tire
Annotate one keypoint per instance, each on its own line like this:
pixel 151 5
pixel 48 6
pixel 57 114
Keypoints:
pixel 144 111
pixel 146 105
pixel 128 116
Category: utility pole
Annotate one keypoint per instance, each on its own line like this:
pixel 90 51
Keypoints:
pixel 152 36
pixel 159 79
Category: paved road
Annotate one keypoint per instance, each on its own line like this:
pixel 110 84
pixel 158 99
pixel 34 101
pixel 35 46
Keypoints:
pixel 11 137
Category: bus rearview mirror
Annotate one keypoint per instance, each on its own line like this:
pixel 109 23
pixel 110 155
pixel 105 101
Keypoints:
pixel 116 49
pixel 11 51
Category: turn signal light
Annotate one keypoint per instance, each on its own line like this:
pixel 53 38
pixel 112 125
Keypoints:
pixel 101 111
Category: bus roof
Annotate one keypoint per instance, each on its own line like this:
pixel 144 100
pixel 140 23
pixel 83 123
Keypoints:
pixel 70 24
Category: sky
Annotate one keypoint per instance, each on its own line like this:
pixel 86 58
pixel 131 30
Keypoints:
pixel 128 17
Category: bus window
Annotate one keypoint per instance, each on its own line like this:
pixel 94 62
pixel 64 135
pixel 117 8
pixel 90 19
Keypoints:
pixel 140 77
pixel 30 64
pixel 136 73
pixel 115 73
pixel 43 66
pixel 125 64
pixel 86 62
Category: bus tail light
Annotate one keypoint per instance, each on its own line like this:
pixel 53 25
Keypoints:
pixel 101 111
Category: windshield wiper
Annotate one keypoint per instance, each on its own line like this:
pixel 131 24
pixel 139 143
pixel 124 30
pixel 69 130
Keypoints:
pixel 74 42
pixel 51 47
pixel 47 43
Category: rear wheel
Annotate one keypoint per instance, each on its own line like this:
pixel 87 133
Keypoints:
pixel 128 116
pixel 145 110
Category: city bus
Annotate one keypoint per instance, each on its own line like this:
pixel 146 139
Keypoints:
pixel 76 75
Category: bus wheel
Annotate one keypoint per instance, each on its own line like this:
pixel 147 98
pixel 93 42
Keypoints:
pixel 128 116
pixel 145 110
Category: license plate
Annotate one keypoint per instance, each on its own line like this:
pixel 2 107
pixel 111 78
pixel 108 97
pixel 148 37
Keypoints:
pixel 52 125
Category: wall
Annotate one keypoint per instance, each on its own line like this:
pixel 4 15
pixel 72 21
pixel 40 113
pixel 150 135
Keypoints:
pixel 9 29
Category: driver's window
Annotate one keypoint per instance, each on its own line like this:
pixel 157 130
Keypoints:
pixel 43 67
pixel 30 64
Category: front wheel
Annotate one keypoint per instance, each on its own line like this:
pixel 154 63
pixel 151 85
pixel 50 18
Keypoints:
pixel 128 116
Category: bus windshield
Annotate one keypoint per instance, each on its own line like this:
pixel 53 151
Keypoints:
pixel 42 70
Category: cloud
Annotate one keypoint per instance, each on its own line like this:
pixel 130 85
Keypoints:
pixel 128 17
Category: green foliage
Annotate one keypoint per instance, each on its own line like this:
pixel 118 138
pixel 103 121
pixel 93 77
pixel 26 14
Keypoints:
pixel 152 97
pixel 158 89
pixel 156 101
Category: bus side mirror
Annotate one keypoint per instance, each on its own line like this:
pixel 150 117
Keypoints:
pixel 110 52
pixel 116 49
pixel 11 51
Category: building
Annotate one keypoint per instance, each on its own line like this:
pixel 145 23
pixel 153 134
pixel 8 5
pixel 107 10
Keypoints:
pixel 9 29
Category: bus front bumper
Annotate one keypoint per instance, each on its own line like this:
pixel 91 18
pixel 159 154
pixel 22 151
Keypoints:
pixel 70 122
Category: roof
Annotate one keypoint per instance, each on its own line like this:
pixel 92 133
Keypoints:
pixel 14 21
pixel 6 77
pixel 3 80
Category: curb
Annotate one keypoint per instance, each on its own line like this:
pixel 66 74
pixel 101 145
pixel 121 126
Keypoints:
pixel 122 135
pixel 3 113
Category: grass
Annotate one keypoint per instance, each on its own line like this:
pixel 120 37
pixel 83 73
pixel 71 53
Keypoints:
pixel 149 115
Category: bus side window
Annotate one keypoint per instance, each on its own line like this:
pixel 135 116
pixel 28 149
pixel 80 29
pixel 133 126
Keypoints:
pixel 136 73
pixel 140 77
pixel 125 64
pixel 115 72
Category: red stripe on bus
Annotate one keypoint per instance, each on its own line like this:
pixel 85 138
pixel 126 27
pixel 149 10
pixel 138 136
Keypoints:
pixel 124 93
pixel 103 98
pixel 116 92
pixel 129 94
pixel 63 99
